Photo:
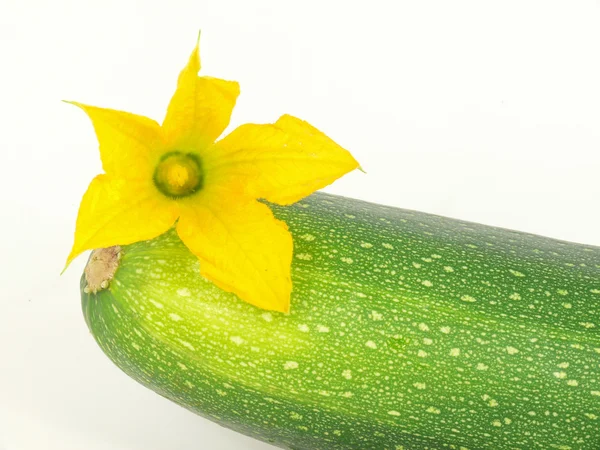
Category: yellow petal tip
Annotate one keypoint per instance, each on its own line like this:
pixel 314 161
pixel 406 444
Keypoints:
pixel 281 307
pixel 74 103
pixel 285 309
pixel 68 263
pixel 193 65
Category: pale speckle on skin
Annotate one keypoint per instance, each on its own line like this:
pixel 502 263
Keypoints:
pixel 455 352
pixel 304 256
pixel 497 423
pixel 393 413
pixel 563 365
pixel 304 328
pixel 417 265
pixel 322 329
pixel 516 273
pixel 347 260
pixel 157 304
pixel 482 366
pixel 573 383
pixel 511 350
pixel 448 269
pixel 560 375
pixel 596 393
pixel 183 292
pixel 175 317
pixel 422 354
pixel 290 365
pixel 567 305
pixel 468 299
pixel 427 341
pixel 423 327
pixel 562 292
pixel 374 315
pixel 388 246
pixel 186 344
pixel 267 317
pixel 371 344
pixel 420 386
pixel 427 283
pixel 347 374
pixel 366 245
pixel 515 296
pixel 307 237
pixel 237 340
pixel 433 410
pixel 445 330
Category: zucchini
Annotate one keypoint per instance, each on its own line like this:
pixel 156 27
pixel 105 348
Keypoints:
pixel 407 331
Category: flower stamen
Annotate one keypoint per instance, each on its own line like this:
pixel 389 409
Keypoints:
pixel 179 174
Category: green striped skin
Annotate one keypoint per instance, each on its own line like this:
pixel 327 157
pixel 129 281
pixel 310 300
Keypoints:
pixel 407 331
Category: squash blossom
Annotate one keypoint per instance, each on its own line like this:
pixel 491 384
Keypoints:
pixel 179 174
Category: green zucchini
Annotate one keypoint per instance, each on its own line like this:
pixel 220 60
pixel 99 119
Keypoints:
pixel 407 331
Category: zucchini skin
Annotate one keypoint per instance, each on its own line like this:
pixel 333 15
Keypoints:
pixel 407 331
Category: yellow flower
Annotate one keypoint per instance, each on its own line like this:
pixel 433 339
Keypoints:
pixel 157 176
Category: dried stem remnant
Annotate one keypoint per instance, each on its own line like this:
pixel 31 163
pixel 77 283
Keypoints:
pixel 101 268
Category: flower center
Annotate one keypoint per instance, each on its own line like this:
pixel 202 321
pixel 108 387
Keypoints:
pixel 179 174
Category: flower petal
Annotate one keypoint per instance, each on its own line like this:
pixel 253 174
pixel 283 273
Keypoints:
pixel 200 108
pixel 130 145
pixel 118 212
pixel 242 248
pixel 282 162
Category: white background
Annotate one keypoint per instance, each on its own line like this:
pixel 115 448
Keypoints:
pixel 485 111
